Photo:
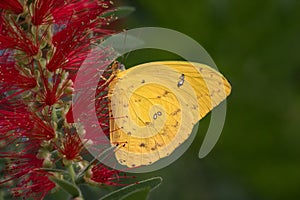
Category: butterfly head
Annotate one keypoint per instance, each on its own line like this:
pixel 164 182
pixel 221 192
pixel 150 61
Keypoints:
pixel 117 66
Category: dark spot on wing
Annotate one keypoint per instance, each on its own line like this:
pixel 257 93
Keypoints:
pixel 175 112
pixel 142 145
pixel 153 148
pixel 176 125
pixel 165 93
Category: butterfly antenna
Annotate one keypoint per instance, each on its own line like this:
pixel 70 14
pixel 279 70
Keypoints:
pixel 124 58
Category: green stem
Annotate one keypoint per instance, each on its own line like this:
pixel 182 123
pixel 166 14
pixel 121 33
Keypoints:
pixel 55 170
pixel 72 173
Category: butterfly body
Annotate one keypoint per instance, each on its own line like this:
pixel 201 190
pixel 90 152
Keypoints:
pixel 154 107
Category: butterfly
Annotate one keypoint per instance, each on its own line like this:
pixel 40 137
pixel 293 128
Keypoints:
pixel 154 107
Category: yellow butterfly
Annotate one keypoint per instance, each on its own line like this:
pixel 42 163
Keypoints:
pixel 154 107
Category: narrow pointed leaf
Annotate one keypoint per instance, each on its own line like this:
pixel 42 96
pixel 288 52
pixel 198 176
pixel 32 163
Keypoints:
pixel 68 187
pixel 139 194
pixel 128 191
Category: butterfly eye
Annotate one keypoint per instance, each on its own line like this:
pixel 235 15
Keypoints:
pixel 121 67
pixel 155 116
pixel 159 113
pixel 118 66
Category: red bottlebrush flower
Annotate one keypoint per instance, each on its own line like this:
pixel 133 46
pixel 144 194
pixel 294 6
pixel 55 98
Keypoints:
pixel 73 42
pixel 35 186
pixel 68 55
pixel 71 146
pixel 102 174
pixel 13 37
pixel 41 130
pixel 25 170
pixel 60 11
pixel 102 100
pixel 43 9
pixel 12 5
pixel 88 101
pixel 12 79
pixel 72 47
pixel 51 93
pixel 69 116
pixel 20 164
pixel 43 43
pixel 16 122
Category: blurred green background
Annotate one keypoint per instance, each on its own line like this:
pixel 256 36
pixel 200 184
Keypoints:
pixel 256 45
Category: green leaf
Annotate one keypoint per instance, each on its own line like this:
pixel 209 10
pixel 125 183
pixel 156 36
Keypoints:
pixel 57 194
pixel 119 12
pixel 139 194
pixel 142 189
pixel 73 190
pixel 92 191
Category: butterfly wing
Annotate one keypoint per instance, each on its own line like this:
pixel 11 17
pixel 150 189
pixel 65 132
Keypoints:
pixel 210 86
pixel 154 107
